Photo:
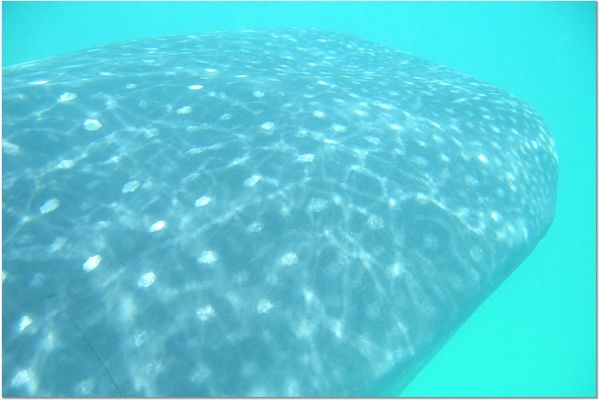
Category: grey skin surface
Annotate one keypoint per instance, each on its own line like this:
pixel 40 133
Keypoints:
pixel 285 212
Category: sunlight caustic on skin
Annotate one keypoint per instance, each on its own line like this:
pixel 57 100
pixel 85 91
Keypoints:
pixel 267 212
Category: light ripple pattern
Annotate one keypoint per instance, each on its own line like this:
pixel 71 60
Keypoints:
pixel 275 212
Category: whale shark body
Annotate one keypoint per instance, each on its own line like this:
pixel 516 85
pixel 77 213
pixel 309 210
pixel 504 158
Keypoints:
pixel 254 213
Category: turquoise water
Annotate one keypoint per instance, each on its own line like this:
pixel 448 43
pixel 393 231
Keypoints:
pixel 535 336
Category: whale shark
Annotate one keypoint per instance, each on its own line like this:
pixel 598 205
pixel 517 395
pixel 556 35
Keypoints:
pixel 287 212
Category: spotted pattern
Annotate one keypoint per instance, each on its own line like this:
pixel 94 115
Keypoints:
pixel 290 212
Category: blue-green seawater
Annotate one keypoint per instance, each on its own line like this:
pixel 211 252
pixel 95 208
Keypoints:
pixel 536 335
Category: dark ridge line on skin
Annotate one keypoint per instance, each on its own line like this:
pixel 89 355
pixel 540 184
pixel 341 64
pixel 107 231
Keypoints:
pixel 85 339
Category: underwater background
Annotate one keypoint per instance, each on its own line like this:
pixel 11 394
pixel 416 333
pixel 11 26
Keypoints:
pixel 536 334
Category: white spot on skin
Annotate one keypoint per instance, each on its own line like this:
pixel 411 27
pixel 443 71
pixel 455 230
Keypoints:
pixel 114 159
pixel 49 342
pixel 92 125
pixel 482 158
pixel 267 126
pixel 374 222
pixel 462 212
pixel 25 378
pixel 495 216
pixel 319 114
pixel 471 180
pixel 438 139
pixel 10 148
pixel 146 280
pixel 305 328
pixel 373 140
pixel 130 186
pixel 139 338
pixel 289 259
pixel 434 124
pixel 255 227
pixel 92 263
pixel 252 181
pixel 102 224
pixel 337 329
pixel 158 225
pixel 85 387
pixel 395 270
pixel 111 103
pixel 476 254
pixel 195 87
pixel 207 257
pixel 284 210
pixel 192 128
pixel 184 110
pixel 306 158
pixel 66 96
pixel 150 133
pixel 308 295
pixel 65 164
pixel 430 241
pixel 57 244
pixel 49 206
pixel 395 127
pixel 383 106
pixel 338 128
pixel 264 306
pixel 127 308
pixel 205 313
pixel 24 322
pixel 317 205
pixel 203 201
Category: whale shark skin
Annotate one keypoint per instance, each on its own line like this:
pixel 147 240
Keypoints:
pixel 254 213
